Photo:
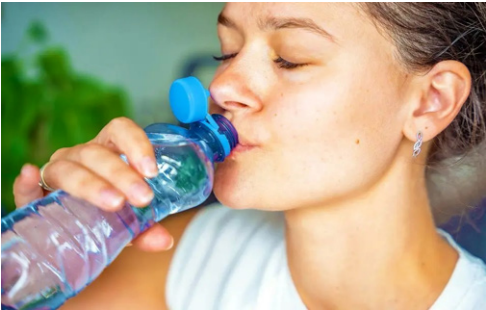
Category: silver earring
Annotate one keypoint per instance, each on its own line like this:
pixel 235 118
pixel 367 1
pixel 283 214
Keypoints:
pixel 417 147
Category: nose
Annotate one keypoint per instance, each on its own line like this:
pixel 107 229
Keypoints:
pixel 232 91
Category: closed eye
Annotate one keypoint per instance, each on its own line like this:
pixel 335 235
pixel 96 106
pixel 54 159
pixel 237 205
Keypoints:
pixel 282 63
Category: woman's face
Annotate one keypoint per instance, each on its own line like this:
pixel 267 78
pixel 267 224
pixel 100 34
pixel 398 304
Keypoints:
pixel 326 128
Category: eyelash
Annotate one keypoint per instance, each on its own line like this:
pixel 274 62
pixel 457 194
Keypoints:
pixel 282 63
pixel 224 57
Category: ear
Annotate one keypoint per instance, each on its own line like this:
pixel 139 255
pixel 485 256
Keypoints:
pixel 440 94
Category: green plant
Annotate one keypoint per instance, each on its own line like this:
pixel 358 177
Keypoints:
pixel 46 106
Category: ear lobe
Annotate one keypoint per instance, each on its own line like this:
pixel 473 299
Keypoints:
pixel 443 91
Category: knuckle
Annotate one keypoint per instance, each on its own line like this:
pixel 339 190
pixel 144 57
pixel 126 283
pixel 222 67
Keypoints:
pixel 124 176
pixel 145 142
pixel 59 153
pixel 86 184
pixel 77 181
pixel 60 166
pixel 87 152
pixel 120 122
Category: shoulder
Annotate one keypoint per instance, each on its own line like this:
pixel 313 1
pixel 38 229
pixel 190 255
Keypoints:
pixel 222 251
pixel 475 297
pixel 466 289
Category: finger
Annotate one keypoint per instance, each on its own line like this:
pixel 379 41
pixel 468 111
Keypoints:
pixel 126 137
pixel 155 239
pixel 112 168
pixel 26 186
pixel 81 182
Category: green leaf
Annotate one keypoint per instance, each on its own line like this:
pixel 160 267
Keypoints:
pixel 37 32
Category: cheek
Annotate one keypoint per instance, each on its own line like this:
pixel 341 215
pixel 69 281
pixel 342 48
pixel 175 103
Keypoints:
pixel 323 145
pixel 342 138
pixel 334 123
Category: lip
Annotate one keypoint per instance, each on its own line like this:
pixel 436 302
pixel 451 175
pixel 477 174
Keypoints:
pixel 241 148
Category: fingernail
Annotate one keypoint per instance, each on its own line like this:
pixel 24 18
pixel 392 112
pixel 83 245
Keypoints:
pixel 159 242
pixel 142 193
pixel 25 169
pixel 171 245
pixel 111 198
pixel 149 167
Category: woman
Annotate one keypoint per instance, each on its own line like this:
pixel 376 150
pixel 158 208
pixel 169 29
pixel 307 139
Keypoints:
pixel 340 109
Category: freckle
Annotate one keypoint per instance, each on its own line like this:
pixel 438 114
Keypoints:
pixel 426 127
pixel 357 141
pixel 275 114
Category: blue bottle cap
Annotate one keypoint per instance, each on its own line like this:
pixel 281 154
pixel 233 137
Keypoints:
pixel 189 103
pixel 188 100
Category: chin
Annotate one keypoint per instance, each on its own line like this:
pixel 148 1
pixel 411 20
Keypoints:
pixel 234 188
pixel 250 184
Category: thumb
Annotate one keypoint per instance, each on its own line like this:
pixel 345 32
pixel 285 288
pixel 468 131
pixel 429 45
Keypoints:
pixel 26 188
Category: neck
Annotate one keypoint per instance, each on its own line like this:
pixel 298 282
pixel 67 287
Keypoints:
pixel 376 250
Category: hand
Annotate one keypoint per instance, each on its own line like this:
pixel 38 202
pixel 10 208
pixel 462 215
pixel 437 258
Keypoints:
pixel 95 172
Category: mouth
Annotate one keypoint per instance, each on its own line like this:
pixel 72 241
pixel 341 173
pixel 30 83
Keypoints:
pixel 241 148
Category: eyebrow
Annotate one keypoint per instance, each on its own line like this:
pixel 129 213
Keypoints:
pixel 282 23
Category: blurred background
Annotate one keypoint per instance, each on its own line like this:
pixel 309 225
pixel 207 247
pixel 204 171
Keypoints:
pixel 69 68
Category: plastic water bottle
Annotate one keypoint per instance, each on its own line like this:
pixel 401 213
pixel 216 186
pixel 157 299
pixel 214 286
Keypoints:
pixel 55 246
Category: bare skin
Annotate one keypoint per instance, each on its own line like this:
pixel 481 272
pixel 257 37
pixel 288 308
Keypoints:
pixel 328 141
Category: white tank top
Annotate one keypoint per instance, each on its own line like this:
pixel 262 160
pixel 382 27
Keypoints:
pixel 236 260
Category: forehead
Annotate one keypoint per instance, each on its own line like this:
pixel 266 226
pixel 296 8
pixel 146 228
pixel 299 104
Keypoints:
pixel 340 19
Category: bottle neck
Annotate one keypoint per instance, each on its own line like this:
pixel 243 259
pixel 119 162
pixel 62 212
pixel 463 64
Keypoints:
pixel 208 140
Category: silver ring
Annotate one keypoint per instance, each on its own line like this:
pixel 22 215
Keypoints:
pixel 42 182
